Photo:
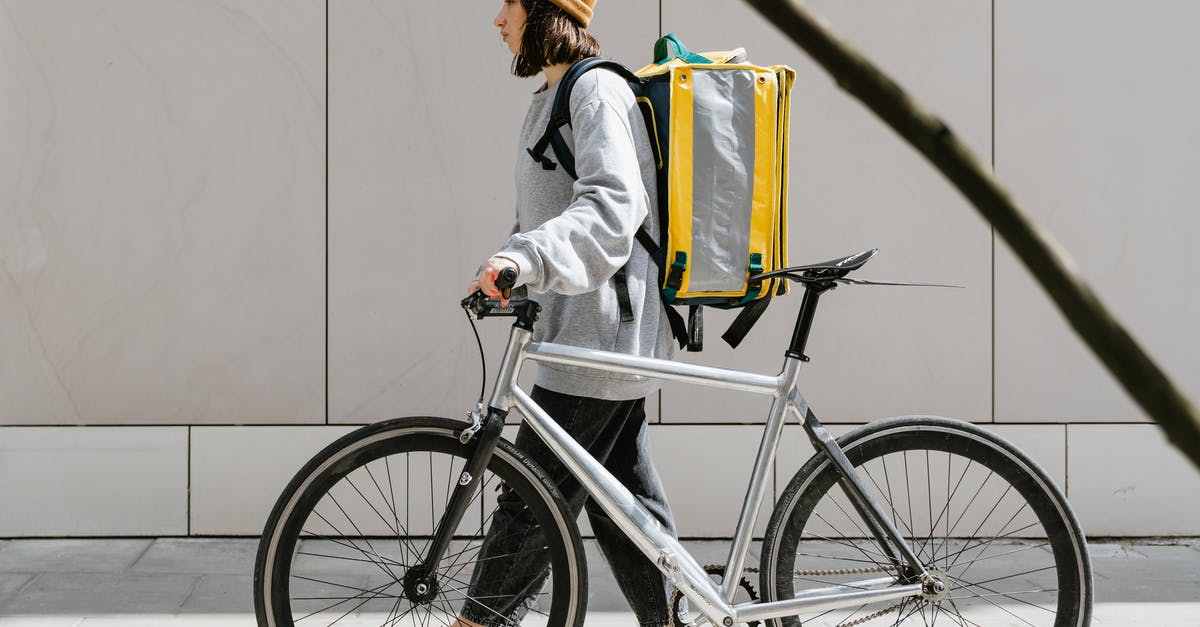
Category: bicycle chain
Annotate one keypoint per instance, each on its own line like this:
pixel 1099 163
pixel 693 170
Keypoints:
pixel 868 617
pixel 719 569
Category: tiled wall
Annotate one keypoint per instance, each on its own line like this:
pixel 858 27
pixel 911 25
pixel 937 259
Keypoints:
pixel 231 231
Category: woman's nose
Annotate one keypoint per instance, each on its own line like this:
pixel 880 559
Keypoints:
pixel 496 21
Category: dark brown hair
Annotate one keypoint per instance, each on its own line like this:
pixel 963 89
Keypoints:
pixel 551 36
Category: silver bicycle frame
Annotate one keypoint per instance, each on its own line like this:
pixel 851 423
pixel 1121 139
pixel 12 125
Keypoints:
pixel 638 524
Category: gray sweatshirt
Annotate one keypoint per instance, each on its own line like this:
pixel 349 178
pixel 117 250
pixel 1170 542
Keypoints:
pixel 572 236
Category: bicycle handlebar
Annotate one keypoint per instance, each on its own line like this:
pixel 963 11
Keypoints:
pixel 505 281
pixel 479 305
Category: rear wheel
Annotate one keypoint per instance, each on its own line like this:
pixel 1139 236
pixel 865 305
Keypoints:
pixel 341 545
pixel 981 516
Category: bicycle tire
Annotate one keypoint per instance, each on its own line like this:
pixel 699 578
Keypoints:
pixel 336 548
pixel 1045 580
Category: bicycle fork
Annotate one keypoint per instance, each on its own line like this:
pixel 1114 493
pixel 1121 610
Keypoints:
pixel 419 583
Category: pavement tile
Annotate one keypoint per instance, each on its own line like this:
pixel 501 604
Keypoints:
pixel 10 584
pixel 221 594
pixel 199 556
pixel 91 594
pixel 206 582
pixel 153 620
pixel 40 621
pixel 1098 550
pixel 1147 573
pixel 70 556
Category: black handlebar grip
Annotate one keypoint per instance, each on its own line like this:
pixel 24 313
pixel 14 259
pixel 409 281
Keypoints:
pixel 505 281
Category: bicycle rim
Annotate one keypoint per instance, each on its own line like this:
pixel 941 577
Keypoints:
pixel 360 516
pixel 978 513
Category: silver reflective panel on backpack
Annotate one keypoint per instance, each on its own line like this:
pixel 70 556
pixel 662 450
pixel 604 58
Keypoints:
pixel 722 179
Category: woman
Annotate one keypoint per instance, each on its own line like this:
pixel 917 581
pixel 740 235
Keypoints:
pixel 571 238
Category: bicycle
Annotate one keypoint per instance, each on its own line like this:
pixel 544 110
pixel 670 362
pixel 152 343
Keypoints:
pixel 896 522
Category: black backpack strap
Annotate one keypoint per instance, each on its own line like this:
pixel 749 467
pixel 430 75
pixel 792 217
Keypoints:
pixel 621 285
pixel 695 329
pixel 745 320
pixel 651 246
pixel 678 327
pixel 560 113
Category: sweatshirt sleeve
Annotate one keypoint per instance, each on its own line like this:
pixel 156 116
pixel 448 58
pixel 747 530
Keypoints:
pixel 581 248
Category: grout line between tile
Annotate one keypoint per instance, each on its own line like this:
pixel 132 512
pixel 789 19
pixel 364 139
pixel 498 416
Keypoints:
pixel 309 425
pixel 149 545
pixel 1067 461
pixel 195 585
pixel 326 212
pixel 188 521
pixel 992 148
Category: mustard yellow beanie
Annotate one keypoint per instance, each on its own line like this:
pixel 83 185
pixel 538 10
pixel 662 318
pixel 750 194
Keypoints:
pixel 578 9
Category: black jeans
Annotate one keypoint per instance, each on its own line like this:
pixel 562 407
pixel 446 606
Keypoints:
pixel 615 433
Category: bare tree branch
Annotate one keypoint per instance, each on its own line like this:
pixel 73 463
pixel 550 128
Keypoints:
pixel 1139 375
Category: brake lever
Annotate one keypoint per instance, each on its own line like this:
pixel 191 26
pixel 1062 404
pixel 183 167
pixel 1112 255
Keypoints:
pixel 475 304
pixel 480 306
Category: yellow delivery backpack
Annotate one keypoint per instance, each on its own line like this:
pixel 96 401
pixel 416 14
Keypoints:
pixel 719 126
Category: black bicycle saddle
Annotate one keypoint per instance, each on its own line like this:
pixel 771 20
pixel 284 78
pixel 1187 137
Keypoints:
pixel 825 271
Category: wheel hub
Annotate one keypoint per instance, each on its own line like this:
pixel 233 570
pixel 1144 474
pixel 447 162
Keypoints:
pixel 420 586
pixel 935 587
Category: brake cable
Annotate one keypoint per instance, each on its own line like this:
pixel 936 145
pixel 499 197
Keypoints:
pixel 482 358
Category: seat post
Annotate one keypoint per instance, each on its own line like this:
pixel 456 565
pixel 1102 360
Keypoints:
pixel 808 309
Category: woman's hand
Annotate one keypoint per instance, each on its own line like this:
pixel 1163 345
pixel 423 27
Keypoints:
pixel 487 278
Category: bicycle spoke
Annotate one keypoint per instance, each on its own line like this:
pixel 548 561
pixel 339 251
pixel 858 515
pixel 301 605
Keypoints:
pixel 949 498
pixel 916 608
pixel 336 557
pixel 380 563
pixel 340 585
pixel 959 613
pixel 988 543
pixel 929 500
pixel 432 508
pixel 848 544
pixel 840 559
pixel 850 518
pixel 992 539
pixel 392 490
pixel 891 505
pixel 372 594
pixel 360 533
pixel 1020 550
pixel 392 613
pixel 378 488
pixel 372 506
pixel 908 489
pixel 1020 574
pixel 1011 595
pixel 1006 611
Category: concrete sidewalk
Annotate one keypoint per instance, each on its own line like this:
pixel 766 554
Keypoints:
pixel 196 582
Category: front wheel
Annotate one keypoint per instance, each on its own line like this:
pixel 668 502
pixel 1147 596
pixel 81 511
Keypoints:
pixel 344 538
pixel 981 516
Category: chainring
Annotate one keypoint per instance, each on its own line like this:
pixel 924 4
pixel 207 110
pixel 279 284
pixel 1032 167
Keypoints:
pixel 719 571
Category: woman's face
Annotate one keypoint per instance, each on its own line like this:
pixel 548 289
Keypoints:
pixel 511 22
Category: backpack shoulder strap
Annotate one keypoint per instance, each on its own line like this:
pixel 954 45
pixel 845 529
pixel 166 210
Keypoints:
pixel 560 112
pixel 560 115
